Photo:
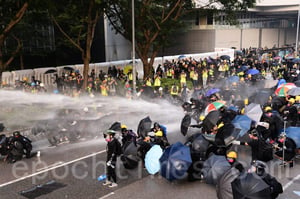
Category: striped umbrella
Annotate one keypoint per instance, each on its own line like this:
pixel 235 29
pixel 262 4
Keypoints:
pixel 214 106
pixel 282 90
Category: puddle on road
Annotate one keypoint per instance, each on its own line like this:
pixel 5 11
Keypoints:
pixel 42 189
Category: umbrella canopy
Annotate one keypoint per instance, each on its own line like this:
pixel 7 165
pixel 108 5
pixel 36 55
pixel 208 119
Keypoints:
pixel 211 120
pixel 115 126
pixel 50 71
pixel 241 68
pixel 225 57
pixel 214 106
pixel 297 83
pixel 242 122
pixel 294 91
pixel 296 60
pixel 253 71
pixel 223 188
pixel 212 91
pixel 260 97
pixel 281 81
pixel 144 127
pixel 214 167
pixel 254 112
pixel 181 56
pixel 282 90
pixel 294 133
pixel 185 123
pixel 233 79
pixel 198 143
pixel 130 158
pixel 68 68
pixel 250 186
pixel 175 161
pixel 127 68
pixel 152 159
pixel 238 52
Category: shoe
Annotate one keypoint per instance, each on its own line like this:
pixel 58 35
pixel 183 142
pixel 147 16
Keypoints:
pixel 106 183
pixel 113 185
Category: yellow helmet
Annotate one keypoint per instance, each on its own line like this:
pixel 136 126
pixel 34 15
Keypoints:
pixel 221 125
pixel 123 126
pixel 268 108
pixel 159 133
pixel 202 117
pixel 232 154
pixel 297 98
pixel 246 101
pixel 291 100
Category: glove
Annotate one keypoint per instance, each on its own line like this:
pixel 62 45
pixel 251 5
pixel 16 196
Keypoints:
pixel 108 163
pixel 236 142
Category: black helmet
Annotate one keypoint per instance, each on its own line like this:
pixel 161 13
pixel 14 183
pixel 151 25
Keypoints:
pixel 16 133
pixel 156 125
pixel 260 167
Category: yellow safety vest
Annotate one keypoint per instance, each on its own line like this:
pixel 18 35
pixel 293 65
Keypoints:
pixel 157 81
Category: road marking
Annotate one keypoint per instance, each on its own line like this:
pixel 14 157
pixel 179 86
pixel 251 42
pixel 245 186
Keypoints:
pixel 291 182
pixel 51 165
pixel 48 169
pixel 107 195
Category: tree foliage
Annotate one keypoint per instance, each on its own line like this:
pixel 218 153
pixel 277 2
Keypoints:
pixel 157 20
pixel 77 20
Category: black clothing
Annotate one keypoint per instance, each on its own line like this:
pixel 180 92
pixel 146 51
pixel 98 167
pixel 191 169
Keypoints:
pixel 276 187
pixel 112 149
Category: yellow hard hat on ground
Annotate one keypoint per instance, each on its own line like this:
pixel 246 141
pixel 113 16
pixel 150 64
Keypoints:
pixel 232 154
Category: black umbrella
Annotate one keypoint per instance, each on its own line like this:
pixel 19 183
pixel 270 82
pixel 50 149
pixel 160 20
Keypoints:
pixel 223 188
pixel 198 143
pixel 250 186
pixel 50 71
pixel 185 123
pixel 214 167
pixel 130 158
pixel 115 126
pixel 68 68
pixel 297 83
pixel 211 120
pixel 225 57
pixel 260 97
pixel 144 127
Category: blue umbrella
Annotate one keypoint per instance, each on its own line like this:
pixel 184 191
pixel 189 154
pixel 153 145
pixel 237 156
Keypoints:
pixel 234 78
pixel 242 122
pixel 253 71
pixel 212 91
pixel 294 133
pixel 152 159
pixel 281 81
pixel 181 56
pixel 175 161
pixel 296 60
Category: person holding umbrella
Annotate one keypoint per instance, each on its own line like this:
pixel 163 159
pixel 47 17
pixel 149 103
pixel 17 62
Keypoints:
pixel 113 149
pixel 260 169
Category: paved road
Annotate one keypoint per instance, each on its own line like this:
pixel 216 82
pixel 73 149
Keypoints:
pixel 72 169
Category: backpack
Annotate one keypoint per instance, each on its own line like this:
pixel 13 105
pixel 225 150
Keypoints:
pixel 163 129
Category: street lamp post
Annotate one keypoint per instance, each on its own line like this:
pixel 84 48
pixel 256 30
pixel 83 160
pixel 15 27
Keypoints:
pixel 297 32
pixel 133 53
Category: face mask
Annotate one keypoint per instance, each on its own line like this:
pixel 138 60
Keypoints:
pixel 230 160
pixel 108 139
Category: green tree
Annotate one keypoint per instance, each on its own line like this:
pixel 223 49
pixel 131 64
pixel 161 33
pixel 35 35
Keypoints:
pixel 11 13
pixel 157 20
pixel 77 20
